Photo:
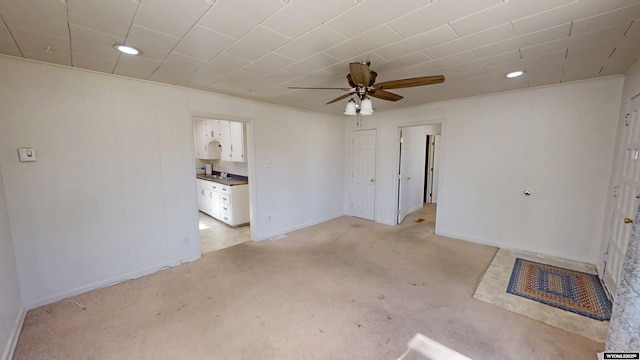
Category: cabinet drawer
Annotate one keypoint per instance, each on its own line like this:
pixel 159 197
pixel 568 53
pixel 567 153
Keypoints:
pixel 211 185
pixel 225 189
pixel 227 218
pixel 225 209
pixel 225 198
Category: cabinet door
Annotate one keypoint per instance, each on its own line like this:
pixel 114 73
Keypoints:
pixel 206 201
pixel 214 204
pixel 202 196
pixel 236 134
pixel 200 140
pixel 204 147
pixel 213 129
pixel 225 140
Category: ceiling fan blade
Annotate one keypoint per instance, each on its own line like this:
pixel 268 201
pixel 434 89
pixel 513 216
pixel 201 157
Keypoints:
pixel 360 73
pixel 384 95
pixel 374 75
pixel 350 80
pixel 318 88
pixel 411 82
pixel 340 98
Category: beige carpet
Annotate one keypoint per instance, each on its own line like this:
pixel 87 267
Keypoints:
pixel 493 289
pixel 345 289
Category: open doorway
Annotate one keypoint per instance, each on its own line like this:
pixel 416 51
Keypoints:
pixel 222 176
pixel 418 168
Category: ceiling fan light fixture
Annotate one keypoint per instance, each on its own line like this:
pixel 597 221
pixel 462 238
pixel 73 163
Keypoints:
pixel 515 74
pixel 126 49
pixel 366 107
pixel 351 107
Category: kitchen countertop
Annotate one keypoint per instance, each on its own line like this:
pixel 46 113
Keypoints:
pixel 231 181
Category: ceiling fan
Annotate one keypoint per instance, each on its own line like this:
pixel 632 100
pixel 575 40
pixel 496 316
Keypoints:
pixel 362 82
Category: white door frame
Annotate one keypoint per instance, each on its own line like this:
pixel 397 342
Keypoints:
pixel 433 162
pixel 397 163
pixel 402 180
pixel 249 156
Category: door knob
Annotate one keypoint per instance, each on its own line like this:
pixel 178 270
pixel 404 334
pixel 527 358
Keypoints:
pixel 628 220
pixel 371 180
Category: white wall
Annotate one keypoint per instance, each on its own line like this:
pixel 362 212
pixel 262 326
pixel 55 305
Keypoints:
pixel 555 141
pixel 631 88
pixel 113 196
pixel 11 309
pixel 299 159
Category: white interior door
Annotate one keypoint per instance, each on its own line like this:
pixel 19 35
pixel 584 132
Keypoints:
pixel 363 176
pixel 403 192
pixel 625 201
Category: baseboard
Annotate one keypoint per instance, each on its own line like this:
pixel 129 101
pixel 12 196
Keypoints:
pixel 467 238
pixel 415 209
pixel 298 227
pixel 104 283
pixel 510 247
pixel 12 342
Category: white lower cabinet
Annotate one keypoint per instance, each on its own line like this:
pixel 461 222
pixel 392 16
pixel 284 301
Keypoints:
pixel 229 204
pixel 214 203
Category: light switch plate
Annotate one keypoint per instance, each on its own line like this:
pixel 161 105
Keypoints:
pixel 27 154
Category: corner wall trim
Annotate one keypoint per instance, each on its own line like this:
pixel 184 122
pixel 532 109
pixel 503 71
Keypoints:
pixel 12 342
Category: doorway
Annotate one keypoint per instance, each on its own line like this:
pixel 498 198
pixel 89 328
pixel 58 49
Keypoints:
pixel 418 164
pixel 214 235
pixel 222 169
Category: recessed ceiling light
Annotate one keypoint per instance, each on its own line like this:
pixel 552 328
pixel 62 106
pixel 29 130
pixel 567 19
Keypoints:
pixel 515 74
pixel 129 50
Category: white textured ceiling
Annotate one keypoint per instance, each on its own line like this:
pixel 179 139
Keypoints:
pixel 257 48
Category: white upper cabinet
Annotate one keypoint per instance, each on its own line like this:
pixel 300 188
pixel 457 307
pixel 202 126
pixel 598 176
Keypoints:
pixel 224 138
pixel 204 140
pixel 220 139
pixel 212 130
pixel 236 135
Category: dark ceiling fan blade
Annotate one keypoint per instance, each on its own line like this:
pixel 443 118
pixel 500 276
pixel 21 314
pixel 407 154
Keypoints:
pixel 360 73
pixel 374 75
pixel 351 83
pixel 318 88
pixel 384 95
pixel 340 98
pixel 411 82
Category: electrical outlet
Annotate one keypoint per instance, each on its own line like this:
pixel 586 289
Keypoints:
pixel 27 154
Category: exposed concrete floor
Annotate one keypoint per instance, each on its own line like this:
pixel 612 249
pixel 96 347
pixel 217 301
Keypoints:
pixel 216 235
pixel 345 289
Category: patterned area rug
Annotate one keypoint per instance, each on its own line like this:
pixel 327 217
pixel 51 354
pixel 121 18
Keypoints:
pixel 570 290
